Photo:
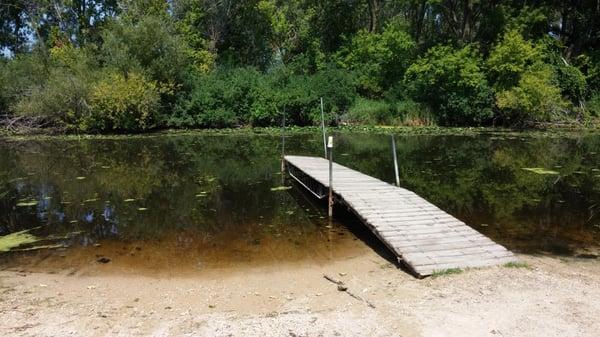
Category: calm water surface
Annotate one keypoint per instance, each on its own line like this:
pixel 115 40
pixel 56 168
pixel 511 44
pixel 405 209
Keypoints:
pixel 200 201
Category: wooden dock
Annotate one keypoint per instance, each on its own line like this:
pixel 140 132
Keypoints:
pixel 423 237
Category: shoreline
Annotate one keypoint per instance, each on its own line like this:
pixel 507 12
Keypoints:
pixel 554 131
pixel 551 296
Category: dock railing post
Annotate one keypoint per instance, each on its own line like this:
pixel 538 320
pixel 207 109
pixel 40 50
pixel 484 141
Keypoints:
pixel 395 161
pixel 283 146
pixel 323 127
pixel 330 201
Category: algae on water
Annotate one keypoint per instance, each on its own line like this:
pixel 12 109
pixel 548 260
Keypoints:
pixel 13 240
pixel 540 170
pixel 280 188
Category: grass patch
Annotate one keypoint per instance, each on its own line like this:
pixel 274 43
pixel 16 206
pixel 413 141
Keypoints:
pixel 516 264
pixel 445 272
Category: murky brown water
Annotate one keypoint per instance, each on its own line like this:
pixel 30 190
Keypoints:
pixel 197 202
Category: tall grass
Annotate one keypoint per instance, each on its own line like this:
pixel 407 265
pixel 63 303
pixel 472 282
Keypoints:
pixel 383 112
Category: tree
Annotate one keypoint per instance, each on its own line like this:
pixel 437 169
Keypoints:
pixel 452 82
pixel 510 58
pixel 379 60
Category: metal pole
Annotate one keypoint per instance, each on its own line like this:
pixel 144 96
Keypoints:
pixel 323 127
pixel 283 144
pixel 395 161
pixel 330 202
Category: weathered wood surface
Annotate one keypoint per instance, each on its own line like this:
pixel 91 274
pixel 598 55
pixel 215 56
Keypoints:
pixel 424 237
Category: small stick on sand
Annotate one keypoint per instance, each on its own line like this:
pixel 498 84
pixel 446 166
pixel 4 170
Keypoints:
pixel 342 287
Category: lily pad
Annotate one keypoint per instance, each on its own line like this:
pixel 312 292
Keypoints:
pixel 540 170
pixel 280 188
pixel 27 203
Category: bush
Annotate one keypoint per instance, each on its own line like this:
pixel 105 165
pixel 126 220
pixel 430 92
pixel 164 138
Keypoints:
pixel 534 99
pixel 593 105
pixel 452 83
pixel 510 58
pixel 121 103
pixel 61 93
pixel 571 82
pixel 241 96
pixel 222 98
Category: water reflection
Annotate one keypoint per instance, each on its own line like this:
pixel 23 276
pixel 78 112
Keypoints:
pixel 197 195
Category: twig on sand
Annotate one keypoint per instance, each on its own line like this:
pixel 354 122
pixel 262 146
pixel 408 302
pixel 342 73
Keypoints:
pixel 342 287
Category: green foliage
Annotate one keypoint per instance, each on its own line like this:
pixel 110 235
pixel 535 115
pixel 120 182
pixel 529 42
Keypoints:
pixel 534 99
pixel 63 96
pixel 429 60
pixel 239 96
pixel 121 103
pixel 219 99
pixel 452 82
pixel 510 58
pixel 379 60
pixel 571 81
pixel 593 105
pixel 148 46
pixel 368 111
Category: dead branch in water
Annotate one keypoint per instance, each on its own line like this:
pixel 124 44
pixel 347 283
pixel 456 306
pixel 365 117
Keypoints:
pixel 342 287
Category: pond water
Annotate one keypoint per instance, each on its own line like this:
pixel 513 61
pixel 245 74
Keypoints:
pixel 198 201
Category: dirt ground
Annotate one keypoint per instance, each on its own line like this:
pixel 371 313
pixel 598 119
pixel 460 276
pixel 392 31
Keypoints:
pixel 553 297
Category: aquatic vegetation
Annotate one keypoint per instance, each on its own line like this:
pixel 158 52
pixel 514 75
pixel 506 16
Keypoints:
pixel 280 188
pixel 27 203
pixel 14 240
pixel 541 170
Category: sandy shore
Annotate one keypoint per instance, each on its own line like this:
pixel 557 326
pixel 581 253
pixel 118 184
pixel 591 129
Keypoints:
pixel 553 297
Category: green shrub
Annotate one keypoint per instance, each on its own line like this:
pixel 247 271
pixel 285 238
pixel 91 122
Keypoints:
pixel 121 103
pixel 571 82
pixel 61 94
pixel 510 58
pixel 593 105
pixel 245 96
pixel 451 82
pixel 219 99
pixel 338 90
pixel 534 99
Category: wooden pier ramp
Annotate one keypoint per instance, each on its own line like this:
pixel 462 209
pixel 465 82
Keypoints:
pixel 423 237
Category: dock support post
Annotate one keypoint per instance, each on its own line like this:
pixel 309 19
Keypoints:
pixel 395 161
pixel 330 201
